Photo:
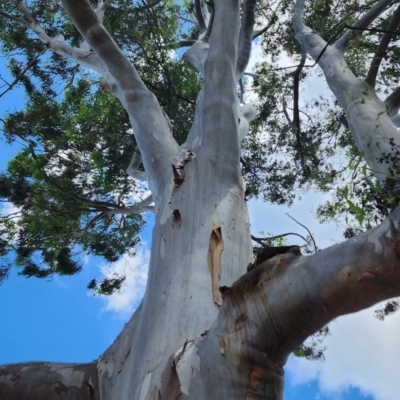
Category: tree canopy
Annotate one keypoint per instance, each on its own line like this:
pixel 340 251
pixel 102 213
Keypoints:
pixel 68 181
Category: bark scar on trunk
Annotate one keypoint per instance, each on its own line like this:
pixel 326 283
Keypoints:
pixel 179 175
pixel 176 218
pixel 216 247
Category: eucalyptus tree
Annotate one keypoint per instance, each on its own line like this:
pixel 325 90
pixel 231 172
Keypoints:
pixel 206 328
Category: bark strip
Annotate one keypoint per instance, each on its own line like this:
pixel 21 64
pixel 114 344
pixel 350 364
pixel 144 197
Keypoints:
pixel 216 248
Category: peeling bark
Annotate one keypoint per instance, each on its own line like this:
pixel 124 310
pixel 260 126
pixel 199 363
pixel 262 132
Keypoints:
pixel 216 248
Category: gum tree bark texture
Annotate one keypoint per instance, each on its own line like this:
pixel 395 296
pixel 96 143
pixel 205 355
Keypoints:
pixel 50 381
pixel 206 329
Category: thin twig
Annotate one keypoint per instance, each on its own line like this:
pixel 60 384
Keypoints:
pixel 381 50
pixel 16 19
pixel 260 32
pixel 181 43
pixel 24 71
pixel 372 30
pixel 168 92
pixel 149 5
pixel 296 96
pixel 261 240
pixel 311 236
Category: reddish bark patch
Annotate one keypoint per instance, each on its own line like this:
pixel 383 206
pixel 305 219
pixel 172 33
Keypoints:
pixel 255 377
pixel 365 276
pixel 170 387
pixel 222 347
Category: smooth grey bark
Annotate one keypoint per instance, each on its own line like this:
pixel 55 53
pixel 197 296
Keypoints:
pixel 189 339
pixel 50 381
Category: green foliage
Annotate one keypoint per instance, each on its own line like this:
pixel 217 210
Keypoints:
pixel 312 349
pixel 388 309
pixel 69 182
pixel 107 286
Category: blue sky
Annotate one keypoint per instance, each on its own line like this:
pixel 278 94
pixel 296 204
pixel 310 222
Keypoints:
pixel 57 320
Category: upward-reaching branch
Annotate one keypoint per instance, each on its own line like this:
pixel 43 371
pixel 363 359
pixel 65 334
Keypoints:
pixel 199 16
pixel 363 22
pixel 375 140
pixel 220 102
pixel 86 21
pixel 246 36
pixel 151 128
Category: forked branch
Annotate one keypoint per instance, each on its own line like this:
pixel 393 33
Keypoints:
pixel 366 20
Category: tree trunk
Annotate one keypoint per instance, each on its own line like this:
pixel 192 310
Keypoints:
pixel 201 241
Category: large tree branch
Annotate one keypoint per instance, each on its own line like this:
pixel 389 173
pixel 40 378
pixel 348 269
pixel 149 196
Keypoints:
pixel 367 19
pixel 50 381
pixel 373 131
pixel 199 16
pixel 86 21
pixel 245 36
pixel 272 309
pixel 309 40
pixel 381 50
pixel 151 128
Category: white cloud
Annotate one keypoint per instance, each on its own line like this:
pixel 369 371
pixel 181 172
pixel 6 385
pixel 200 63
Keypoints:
pixel 273 219
pixel 135 270
pixel 8 208
pixel 362 352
